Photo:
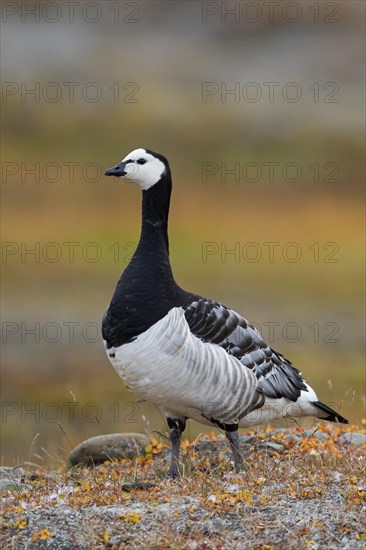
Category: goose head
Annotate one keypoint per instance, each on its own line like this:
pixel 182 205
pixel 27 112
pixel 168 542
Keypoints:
pixel 141 166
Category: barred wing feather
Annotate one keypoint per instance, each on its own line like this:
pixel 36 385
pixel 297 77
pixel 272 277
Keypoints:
pixel 214 323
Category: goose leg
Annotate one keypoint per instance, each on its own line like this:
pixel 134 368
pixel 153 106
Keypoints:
pixel 233 437
pixel 177 427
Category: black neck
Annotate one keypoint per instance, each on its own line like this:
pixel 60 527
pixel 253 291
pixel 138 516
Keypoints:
pixel 155 212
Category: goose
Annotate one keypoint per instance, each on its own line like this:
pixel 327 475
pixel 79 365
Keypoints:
pixel 193 357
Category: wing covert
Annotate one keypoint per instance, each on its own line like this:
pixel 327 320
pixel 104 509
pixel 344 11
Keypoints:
pixel 214 323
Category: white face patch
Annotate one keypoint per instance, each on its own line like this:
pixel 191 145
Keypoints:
pixel 145 174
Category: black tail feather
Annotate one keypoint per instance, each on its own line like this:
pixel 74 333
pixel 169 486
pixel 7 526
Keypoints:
pixel 331 415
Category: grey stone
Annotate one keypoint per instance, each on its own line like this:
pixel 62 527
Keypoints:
pixel 274 446
pixel 12 485
pixel 12 479
pixel 353 438
pixel 233 488
pixel 337 477
pixel 210 527
pixel 97 450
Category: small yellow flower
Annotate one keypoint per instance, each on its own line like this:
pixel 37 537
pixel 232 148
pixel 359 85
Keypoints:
pixel 43 534
pixel 130 517
pixel 21 523
pixel 86 486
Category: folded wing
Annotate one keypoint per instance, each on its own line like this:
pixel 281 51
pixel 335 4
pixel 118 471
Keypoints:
pixel 212 322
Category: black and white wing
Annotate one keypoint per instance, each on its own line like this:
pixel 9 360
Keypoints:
pixel 214 323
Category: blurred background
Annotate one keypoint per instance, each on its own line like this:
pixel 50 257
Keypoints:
pixel 259 108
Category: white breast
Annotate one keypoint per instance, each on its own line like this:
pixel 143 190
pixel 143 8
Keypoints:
pixel 187 377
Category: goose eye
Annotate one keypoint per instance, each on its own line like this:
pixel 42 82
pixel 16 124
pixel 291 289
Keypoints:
pixel 141 161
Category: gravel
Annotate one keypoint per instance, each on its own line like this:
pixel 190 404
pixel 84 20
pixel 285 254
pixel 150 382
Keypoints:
pixel 189 513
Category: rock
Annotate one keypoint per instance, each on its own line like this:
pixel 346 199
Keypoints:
pixel 352 438
pixel 233 488
pixel 97 450
pixel 337 477
pixel 12 479
pixel 278 447
pixel 209 527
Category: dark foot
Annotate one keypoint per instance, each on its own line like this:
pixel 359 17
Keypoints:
pixel 233 438
pixel 177 427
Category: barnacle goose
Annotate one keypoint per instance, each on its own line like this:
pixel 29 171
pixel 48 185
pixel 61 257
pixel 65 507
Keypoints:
pixel 192 356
